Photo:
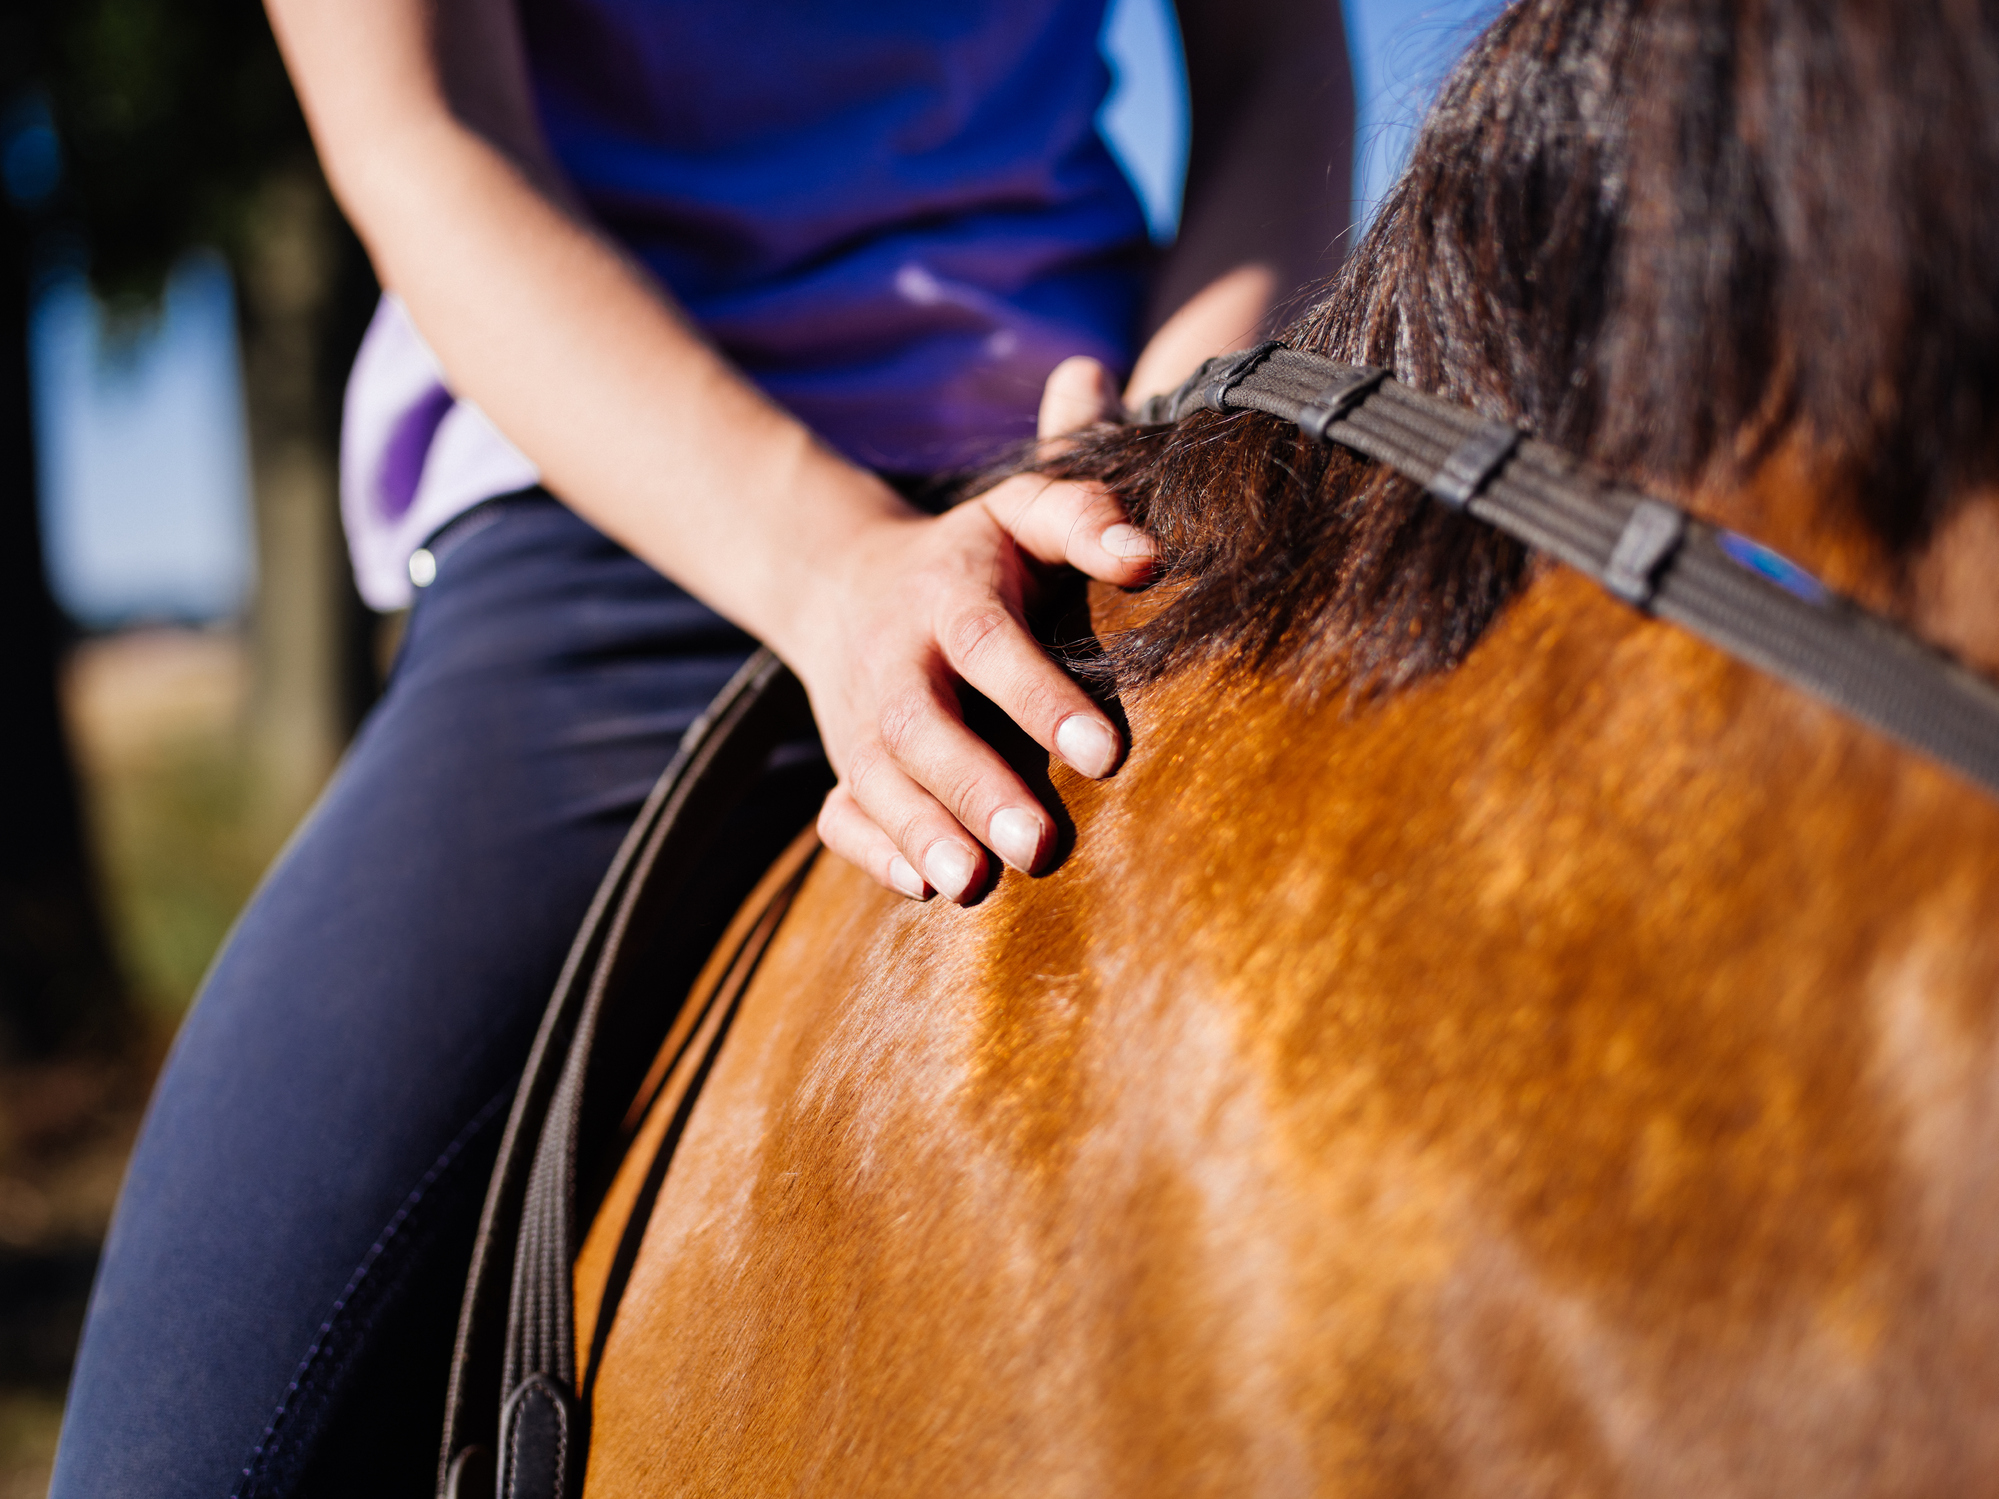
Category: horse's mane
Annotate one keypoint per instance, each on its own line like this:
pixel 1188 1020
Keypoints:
pixel 1668 235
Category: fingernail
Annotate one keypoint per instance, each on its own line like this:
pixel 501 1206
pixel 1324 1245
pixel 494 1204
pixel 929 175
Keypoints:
pixel 902 874
pixel 1086 744
pixel 1016 837
pixel 1129 544
pixel 949 867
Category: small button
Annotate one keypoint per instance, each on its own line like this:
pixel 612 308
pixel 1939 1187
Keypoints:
pixel 423 567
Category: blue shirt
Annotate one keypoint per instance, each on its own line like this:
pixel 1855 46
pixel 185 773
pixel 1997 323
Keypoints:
pixel 897 216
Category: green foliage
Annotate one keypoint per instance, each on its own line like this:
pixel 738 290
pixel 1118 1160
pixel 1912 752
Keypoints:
pixel 181 840
pixel 29 1420
pixel 172 114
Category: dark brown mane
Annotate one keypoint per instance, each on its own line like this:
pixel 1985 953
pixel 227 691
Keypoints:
pixel 1668 235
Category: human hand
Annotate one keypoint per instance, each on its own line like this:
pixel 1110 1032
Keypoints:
pixel 917 605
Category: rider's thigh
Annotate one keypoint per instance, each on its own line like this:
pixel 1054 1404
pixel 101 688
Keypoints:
pixel 331 1106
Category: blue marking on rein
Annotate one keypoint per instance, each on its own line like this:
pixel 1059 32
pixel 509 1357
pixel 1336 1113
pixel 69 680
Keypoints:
pixel 1782 571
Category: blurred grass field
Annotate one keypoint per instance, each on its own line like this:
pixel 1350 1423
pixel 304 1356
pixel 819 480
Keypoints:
pixel 181 836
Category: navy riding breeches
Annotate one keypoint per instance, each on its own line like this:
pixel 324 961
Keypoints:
pixel 274 1310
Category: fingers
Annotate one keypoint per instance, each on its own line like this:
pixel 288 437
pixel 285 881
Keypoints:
pixel 853 835
pixel 921 797
pixel 920 793
pixel 1061 521
pixel 993 651
pixel 931 779
pixel 913 793
pixel 1079 391
pixel 907 797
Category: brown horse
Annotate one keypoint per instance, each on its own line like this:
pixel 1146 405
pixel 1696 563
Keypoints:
pixel 1484 1040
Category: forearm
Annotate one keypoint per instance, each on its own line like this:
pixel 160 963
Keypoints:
pixel 1267 178
pixel 632 417
pixel 586 363
pixel 645 429
pixel 1228 313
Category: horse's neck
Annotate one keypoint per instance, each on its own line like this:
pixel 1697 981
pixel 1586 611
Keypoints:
pixel 1948 593
pixel 1667 993
pixel 1577 736
pixel 1956 586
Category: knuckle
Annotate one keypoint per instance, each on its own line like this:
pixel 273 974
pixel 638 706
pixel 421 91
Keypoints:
pixel 1093 519
pixel 913 834
pixel 969 785
pixel 974 633
pixel 1023 510
pixel 1006 497
pixel 1048 499
pixel 1034 691
pixel 1102 510
pixel 1037 706
pixel 864 766
pixel 970 800
pixel 902 722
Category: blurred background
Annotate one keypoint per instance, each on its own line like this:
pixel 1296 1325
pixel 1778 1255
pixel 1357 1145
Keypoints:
pixel 182 654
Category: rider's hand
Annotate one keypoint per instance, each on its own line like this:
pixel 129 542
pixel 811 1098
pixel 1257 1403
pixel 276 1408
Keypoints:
pixel 916 605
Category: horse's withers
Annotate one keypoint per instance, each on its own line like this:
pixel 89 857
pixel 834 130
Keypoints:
pixel 1572 1073
pixel 1483 1041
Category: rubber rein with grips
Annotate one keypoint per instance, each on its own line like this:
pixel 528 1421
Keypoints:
pixel 1725 588
pixel 513 1403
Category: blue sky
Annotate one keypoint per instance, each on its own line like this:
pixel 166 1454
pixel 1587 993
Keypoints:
pixel 139 438
pixel 1400 52
pixel 145 487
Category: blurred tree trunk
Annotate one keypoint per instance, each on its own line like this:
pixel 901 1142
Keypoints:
pixel 311 671
pixel 180 129
pixel 349 308
pixel 58 983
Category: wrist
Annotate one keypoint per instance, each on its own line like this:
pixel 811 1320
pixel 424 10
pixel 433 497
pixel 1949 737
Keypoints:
pixel 824 566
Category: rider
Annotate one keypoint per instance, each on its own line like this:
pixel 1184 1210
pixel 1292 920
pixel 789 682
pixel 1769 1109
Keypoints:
pixel 727 280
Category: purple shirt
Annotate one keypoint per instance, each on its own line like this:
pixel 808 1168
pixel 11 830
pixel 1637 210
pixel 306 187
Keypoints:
pixel 896 218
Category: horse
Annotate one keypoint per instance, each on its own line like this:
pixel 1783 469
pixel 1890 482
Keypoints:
pixel 1485 1040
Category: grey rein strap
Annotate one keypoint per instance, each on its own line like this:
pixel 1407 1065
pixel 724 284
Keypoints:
pixel 513 1423
pixel 1735 594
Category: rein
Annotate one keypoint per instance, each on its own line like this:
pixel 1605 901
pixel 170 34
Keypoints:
pixel 515 1424
pixel 1725 588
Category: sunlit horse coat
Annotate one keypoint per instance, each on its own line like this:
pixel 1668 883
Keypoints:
pixel 1483 1040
